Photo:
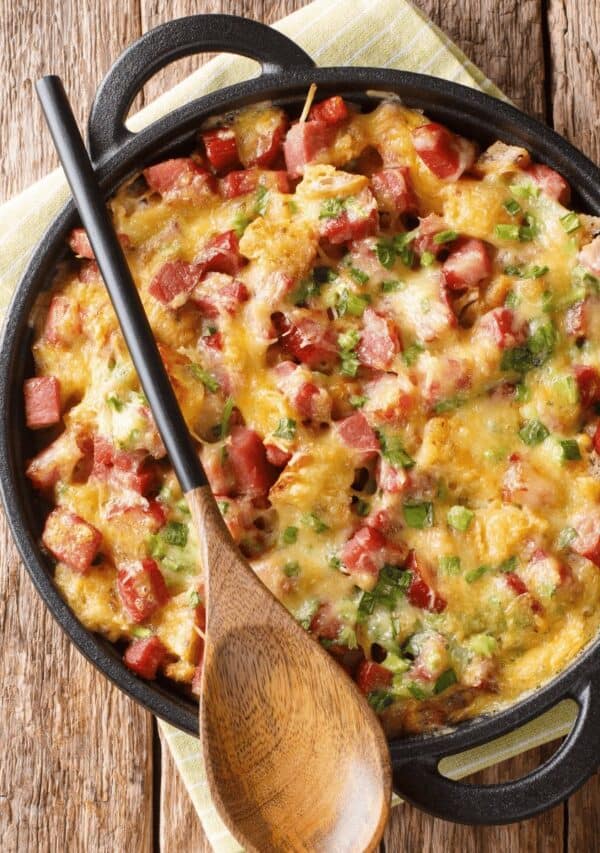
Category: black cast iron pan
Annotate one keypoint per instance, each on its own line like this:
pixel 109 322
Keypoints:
pixel 286 73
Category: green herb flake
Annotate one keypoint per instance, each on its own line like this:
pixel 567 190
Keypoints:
pixel 351 303
pixel 175 533
pixel 261 200
pixel 361 507
pixel 392 285
pixel 359 276
pixel 207 379
pixel 427 258
pixel 286 429
pixel 226 417
pixel 412 353
pixel 418 515
pixel 114 402
pixel 290 535
pixel 291 569
pixel 449 405
pixel 386 253
pixel 450 565
pixel 393 450
pixel 141 633
pixel 312 520
pixel 477 573
pixel 444 237
pixel 194 599
pixel 512 300
pixel 446 680
pixel 524 190
pixel 223 507
pixel 511 206
pixel 570 450
pixel 460 518
pixel 332 208
pixel 570 222
pixel 533 432
pixel 379 700
pixel 508 565
pixel 416 692
pixel 356 401
pixel 507 232
pixel 566 536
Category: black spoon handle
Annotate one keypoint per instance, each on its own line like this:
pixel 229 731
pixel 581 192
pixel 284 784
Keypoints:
pixel 123 292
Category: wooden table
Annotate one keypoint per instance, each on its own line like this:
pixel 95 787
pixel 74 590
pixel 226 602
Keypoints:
pixel 83 767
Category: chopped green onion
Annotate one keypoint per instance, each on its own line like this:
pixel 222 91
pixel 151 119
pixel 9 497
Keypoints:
pixel 195 599
pixel 570 450
pixel 240 222
pixel 380 699
pixel 290 535
pixel 226 417
pixel 535 271
pixel 418 515
pixel 361 507
pixel 507 232
pixel 311 519
pixel 522 393
pixel 386 253
pixel 393 450
pixel 533 432
pixel 446 680
pixel 450 565
pixel 332 208
pixel 356 401
pixel 261 200
pixel 449 405
pixel 223 507
pixel 412 353
pixel 286 429
pixel 114 402
pixel 335 562
pixel 141 633
pixel 207 379
pixel 352 303
pixel 416 692
pixel 528 231
pixel 359 276
pixel 566 536
pixel 155 547
pixel 427 258
pixel 477 573
pixel 508 565
pixel 291 569
pixel 511 206
pixel 460 518
pixel 444 237
pixel 570 222
pixel 512 300
pixel 524 190
pixel 391 285
pixel 347 342
pixel 175 533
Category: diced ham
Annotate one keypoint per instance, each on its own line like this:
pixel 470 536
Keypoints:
pixel 502 327
pixel 432 657
pixel 276 456
pixel 305 338
pixel 393 190
pixel 80 243
pixel 587 543
pixel 429 226
pixel 588 383
pixel 358 434
pixel 246 454
pixel 582 320
pixel 260 144
pixel 420 593
pixel 247 181
pixel 312 402
pixel 55 462
pixel 444 153
pixel 331 110
pixel 550 182
pixel 142 588
pixel 372 676
pixel 221 254
pixel 544 573
pixel 358 219
pixel 130 470
pixel 390 397
pixel 391 479
pixel 221 148
pixel 379 342
pixel 63 321
pixel 71 539
pixel 325 623
pixel 589 256
pixel 219 293
pixel 467 265
pixel 501 158
pixel 141 515
pixel 365 552
pixel 174 281
pixel 442 377
pixel 519 587
pixel 180 177
pixel 144 656
pixel 303 142
pixel 42 401
pixel 524 485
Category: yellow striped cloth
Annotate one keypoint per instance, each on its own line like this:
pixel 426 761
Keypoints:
pixel 389 34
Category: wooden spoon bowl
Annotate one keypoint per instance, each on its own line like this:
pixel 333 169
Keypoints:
pixel 295 758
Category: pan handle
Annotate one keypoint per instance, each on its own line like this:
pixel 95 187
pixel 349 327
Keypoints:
pixel 169 42
pixel 420 782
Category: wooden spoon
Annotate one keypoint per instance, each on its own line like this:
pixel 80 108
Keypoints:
pixel 295 758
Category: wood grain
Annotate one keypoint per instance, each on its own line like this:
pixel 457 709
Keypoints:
pixel 77 774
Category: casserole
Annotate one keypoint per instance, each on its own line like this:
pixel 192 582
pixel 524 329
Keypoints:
pixel 118 154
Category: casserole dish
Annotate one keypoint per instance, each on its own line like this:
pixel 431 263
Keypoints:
pixel 117 154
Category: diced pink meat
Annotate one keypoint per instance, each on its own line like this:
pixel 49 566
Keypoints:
pixel 393 190
pixel 55 462
pixel 219 293
pixel 420 593
pixel 587 543
pixel 526 486
pixel 358 434
pixel 429 226
pixel 550 182
pixel 332 110
pixel 588 383
pixel 276 456
pixel 71 539
pixel 390 478
pixel 467 265
pixel 221 148
pixel 63 321
pixel 303 142
pixel 42 401
pixel 266 142
pixel 246 454
pixel 312 402
pixel 175 280
pixel 365 552
pixel 589 256
pixel 372 676
pixel 221 254
pixel 142 588
pixel 357 220
pixel 325 623
pixel 144 656
pixel 444 153
pixel 379 342
pixel 180 177
pixel 502 326
pixel 305 338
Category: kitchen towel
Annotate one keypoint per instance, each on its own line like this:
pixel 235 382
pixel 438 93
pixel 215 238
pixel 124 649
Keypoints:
pixel 388 34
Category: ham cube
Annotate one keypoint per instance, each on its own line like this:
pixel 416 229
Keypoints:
pixel 420 593
pixel 80 244
pixel 63 321
pixel 325 624
pixel 304 142
pixel 307 339
pixel 365 552
pixel 390 479
pixel 393 190
pixel 524 485
pixel 221 254
pixel 467 264
pixel 174 281
pixel 589 256
pixel 247 181
pixel 444 153
pixel 276 456
pixel 587 543
pixel 372 676
pixel 550 182
pixel 42 401
pixel 312 402
pixel 331 111
pixel 582 320
pixel 358 434
pixel 71 539
pixel 424 241
pixel 379 342
pixel 144 657
pixel 142 588
pixel 502 327
pixel 588 383
pixel 260 143
pixel 358 219
pixel 221 148
pixel 219 294
pixel 180 178
pixel 246 454
pixel 56 462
